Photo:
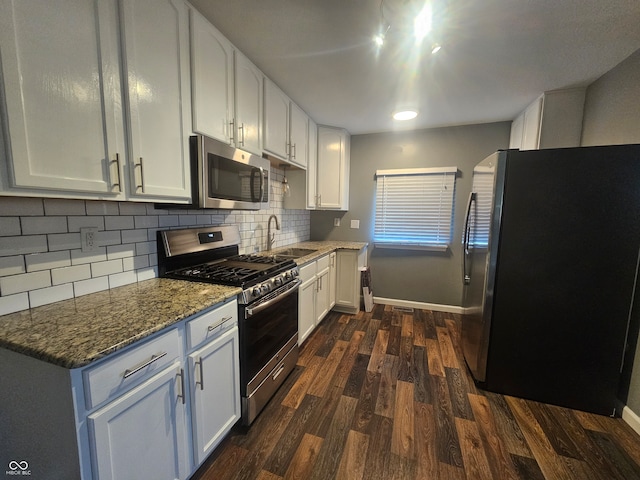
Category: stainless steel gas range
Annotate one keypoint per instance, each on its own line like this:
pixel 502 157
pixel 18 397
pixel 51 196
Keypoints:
pixel 267 306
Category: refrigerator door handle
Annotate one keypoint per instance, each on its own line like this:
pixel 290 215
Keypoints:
pixel 466 238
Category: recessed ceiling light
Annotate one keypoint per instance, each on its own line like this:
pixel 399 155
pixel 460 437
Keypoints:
pixel 405 115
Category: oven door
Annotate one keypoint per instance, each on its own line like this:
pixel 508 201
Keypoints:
pixel 267 326
pixel 231 178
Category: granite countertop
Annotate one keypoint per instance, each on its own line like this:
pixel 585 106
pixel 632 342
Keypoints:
pixel 76 332
pixel 320 247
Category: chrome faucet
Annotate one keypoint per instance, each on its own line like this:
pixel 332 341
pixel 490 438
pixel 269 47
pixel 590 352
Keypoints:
pixel 271 236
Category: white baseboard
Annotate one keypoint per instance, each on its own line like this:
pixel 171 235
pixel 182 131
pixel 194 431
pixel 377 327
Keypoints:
pixel 424 306
pixel 631 418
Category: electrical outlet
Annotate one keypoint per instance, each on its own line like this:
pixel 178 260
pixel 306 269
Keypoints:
pixel 88 238
pixel 355 223
pixel 336 222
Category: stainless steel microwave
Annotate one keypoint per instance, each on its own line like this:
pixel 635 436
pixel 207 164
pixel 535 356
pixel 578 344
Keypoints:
pixel 226 177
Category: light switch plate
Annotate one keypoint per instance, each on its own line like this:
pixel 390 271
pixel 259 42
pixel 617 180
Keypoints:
pixel 336 222
pixel 355 223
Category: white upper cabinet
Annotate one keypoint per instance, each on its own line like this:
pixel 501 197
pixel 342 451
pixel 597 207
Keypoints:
pixel 312 166
pixel 156 45
pixel 276 120
pixel 67 107
pixel 227 89
pixel 212 80
pixel 298 136
pixel 553 120
pixel 248 105
pixel 62 93
pixel 333 168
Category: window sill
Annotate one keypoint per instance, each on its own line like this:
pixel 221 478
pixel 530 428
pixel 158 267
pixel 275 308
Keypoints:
pixel 402 246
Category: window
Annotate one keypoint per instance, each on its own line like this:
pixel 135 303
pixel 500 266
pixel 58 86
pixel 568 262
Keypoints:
pixel 414 208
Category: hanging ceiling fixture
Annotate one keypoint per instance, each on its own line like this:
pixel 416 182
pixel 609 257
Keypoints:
pixel 286 189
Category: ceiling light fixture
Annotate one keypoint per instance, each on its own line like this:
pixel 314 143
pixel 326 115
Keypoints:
pixel 435 48
pixel 405 115
pixel 422 23
pixel 397 12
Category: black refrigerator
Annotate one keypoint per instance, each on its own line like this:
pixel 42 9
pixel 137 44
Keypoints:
pixel 551 246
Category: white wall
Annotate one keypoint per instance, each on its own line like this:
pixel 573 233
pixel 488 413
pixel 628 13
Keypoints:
pixel 41 260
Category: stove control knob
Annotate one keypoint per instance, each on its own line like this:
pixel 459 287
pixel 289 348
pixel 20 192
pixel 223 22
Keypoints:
pixel 256 292
pixel 287 276
pixel 264 287
pixel 295 272
pixel 278 281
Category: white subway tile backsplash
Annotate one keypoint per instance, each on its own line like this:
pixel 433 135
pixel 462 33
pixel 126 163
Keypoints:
pixel 41 261
pixel 123 222
pixel 132 208
pixel 133 236
pixel 85 287
pixel 62 206
pixel 18 206
pixel 14 303
pixel 106 238
pixel 124 278
pixel 63 241
pixel 24 282
pixel 121 251
pixel 76 223
pixel 70 274
pixel 47 261
pixel 11 265
pixel 22 245
pixel 79 257
pixel 45 296
pixel 102 208
pixel 9 226
pixel 109 267
pixel 36 225
pixel 146 221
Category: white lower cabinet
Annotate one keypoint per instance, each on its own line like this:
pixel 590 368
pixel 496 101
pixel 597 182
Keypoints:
pixel 349 263
pixel 143 434
pixel 315 296
pixel 215 392
pixel 332 279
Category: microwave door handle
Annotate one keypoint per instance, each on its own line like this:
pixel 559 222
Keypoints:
pixel 261 184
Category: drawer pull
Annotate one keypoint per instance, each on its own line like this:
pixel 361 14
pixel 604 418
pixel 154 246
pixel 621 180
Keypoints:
pixel 128 373
pixel 213 326
pixel 280 370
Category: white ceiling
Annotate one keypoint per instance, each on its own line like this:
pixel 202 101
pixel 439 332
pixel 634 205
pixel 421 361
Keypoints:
pixel 497 56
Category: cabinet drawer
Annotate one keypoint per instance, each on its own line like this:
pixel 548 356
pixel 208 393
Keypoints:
pixel 209 325
pixel 323 263
pixel 115 376
pixel 308 271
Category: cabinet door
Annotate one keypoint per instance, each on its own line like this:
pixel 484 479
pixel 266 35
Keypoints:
pixel 322 295
pixel 347 280
pixel 212 80
pixel 276 120
pixel 531 125
pixel 306 309
pixel 312 166
pixel 61 76
pixel 332 280
pixel 143 434
pixel 248 105
pixel 299 136
pixel 331 158
pixel 155 36
pixel 215 392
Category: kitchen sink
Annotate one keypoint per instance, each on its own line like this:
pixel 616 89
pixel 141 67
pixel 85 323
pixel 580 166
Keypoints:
pixel 293 253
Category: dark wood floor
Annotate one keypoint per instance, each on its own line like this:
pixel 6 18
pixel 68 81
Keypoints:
pixel 386 395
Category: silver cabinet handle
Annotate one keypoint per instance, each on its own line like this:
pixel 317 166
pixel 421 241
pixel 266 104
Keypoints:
pixel 213 326
pixel 232 129
pixel 181 394
pixel 293 147
pixel 154 358
pixel 241 129
pixel 119 182
pixel 141 186
pixel 280 370
pixel 201 381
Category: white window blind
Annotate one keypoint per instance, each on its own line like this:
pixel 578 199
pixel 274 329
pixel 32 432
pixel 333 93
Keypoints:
pixel 483 178
pixel 414 208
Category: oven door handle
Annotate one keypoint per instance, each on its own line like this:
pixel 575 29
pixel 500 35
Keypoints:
pixel 293 286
